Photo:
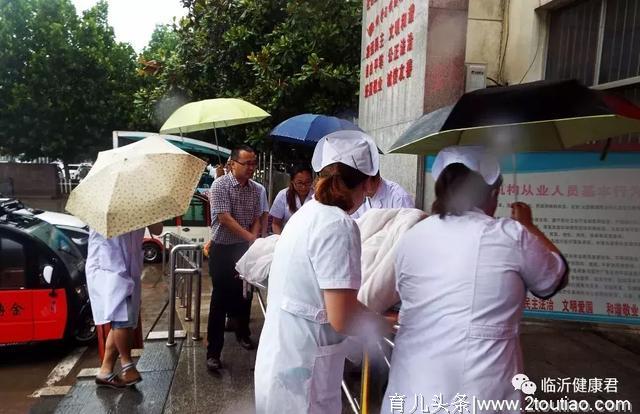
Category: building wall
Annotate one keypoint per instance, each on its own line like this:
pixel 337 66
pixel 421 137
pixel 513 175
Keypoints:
pixel 509 36
pixel 484 33
pixel 30 180
pixel 438 29
pixel 389 111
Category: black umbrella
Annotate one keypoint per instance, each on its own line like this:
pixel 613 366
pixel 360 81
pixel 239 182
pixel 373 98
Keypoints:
pixel 537 116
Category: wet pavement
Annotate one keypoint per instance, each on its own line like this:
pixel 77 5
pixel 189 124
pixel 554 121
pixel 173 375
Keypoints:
pixel 23 370
pixel 196 390
pixel 564 350
pixel 156 366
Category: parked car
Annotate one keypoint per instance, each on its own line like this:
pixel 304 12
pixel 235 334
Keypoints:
pixel 70 225
pixel 77 172
pixel 43 292
pixel 194 225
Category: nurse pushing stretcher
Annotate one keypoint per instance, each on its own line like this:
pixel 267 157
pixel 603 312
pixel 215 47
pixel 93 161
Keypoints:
pixel 462 276
pixel 313 284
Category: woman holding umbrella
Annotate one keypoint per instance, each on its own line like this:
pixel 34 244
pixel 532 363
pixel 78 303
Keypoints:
pixel 462 276
pixel 289 200
pixel 313 286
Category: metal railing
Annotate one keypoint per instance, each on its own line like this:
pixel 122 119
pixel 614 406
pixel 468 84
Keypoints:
pixel 67 185
pixel 185 261
pixel 169 239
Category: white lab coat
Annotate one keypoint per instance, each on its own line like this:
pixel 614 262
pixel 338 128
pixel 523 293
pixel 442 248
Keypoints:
pixel 388 195
pixel 300 359
pixel 280 209
pixel 264 201
pixel 113 269
pixel 462 282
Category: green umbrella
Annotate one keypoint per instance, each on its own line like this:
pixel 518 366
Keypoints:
pixel 212 114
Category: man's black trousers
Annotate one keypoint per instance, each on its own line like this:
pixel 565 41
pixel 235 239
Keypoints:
pixel 226 297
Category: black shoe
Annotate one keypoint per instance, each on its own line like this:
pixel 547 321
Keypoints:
pixel 214 364
pixel 246 343
pixel 230 325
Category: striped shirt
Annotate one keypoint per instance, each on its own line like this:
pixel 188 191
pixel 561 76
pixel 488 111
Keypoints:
pixel 242 202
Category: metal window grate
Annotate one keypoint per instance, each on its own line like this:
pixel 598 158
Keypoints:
pixel 595 41
pixel 621 41
pixel 573 42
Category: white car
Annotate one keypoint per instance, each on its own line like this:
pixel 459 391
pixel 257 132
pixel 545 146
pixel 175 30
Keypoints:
pixel 73 227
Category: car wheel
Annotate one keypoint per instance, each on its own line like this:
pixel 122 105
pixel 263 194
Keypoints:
pixel 86 329
pixel 151 252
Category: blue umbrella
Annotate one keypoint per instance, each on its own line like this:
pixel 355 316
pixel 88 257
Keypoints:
pixel 307 129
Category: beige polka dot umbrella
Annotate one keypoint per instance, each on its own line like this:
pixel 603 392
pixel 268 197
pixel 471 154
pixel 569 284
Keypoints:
pixel 136 185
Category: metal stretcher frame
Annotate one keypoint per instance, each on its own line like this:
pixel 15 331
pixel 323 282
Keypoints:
pixel 366 372
pixel 258 288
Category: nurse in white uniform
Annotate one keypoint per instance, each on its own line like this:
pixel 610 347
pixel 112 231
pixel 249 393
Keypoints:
pixel 462 276
pixel 313 286
pixel 385 194
pixel 290 199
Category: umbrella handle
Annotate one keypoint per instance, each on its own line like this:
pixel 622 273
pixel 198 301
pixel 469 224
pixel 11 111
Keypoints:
pixel 215 134
pixel 514 162
pixel 605 150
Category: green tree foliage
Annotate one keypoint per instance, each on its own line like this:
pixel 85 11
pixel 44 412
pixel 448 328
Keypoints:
pixel 65 82
pixel 286 56
pixel 158 96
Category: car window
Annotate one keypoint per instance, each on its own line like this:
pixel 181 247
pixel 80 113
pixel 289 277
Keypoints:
pixel 60 243
pixel 195 215
pixel 13 264
pixel 74 234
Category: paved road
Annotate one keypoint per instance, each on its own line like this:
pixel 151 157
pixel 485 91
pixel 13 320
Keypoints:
pixel 26 370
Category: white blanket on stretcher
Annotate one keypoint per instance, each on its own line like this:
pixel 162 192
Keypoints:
pixel 380 230
pixel 254 265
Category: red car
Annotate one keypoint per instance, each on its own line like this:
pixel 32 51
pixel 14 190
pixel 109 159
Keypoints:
pixel 43 293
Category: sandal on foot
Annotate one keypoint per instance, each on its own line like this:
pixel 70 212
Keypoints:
pixel 111 381
pixel 129 375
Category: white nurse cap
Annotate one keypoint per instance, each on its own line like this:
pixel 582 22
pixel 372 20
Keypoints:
pixel 353 148
pixel 475 158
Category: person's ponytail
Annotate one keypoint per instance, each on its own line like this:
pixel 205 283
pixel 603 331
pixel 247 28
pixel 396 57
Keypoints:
pixel 336 183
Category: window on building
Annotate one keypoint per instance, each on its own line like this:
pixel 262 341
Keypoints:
pixel 598 43
pixel 620 41
pixel 595 41
pixel 573 42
